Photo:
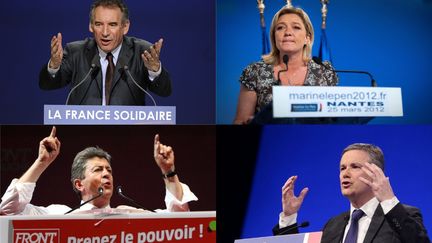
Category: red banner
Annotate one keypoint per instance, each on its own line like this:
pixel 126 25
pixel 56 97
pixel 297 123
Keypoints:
pixel 108 229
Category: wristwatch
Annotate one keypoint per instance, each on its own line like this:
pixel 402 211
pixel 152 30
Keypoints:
pixel 170 174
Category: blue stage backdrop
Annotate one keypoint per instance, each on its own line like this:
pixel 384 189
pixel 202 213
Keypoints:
pixel 313 153
pixel 390 39
pixel 188 52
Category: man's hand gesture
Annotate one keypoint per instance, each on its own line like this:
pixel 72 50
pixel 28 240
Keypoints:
pixel 163 155
pixel 56 51
pixel 290 203
pixel 49 148
pixel 151 58
pixel 378 182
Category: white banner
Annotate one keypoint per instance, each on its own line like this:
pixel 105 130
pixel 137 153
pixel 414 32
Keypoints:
pixel 317 101
pixel 108 115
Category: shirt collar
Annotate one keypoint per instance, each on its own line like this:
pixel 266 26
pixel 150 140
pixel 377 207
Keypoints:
pixel 114 52
pixel 368 208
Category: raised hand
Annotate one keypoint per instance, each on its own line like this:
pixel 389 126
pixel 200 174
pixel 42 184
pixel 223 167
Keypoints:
pixel 378 182
pixel 49 148
pixel 291 203
pixel 163 155
pixel 56 51
pixel 151 58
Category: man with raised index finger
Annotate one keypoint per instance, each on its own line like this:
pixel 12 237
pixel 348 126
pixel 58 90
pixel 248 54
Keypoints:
pixel 375 214
pixel 92 179
pixel 110 68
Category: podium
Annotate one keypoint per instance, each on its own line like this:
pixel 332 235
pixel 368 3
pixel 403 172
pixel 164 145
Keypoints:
pixel 108 115
pixel 122 228
pixel 330 105
pixel 312 237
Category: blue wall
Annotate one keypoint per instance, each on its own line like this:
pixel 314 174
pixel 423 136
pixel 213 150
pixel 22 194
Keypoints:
pixel 188 52
pixel 313 153
pixel 391 39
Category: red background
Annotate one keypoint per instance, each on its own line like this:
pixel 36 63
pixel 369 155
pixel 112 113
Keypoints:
pixel 134 168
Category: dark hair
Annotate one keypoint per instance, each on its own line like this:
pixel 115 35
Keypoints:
pixel 110 4
pixel 80 163
pixel 376 155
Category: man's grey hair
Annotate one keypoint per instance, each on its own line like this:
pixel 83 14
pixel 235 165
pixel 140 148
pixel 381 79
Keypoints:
pixel 110 4
pixel 376 155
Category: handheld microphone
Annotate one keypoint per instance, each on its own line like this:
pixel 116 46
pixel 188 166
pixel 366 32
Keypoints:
pixel 302 225
pixel 319 61
pixel 285 60
pixel 100 193
pixel 126 68
pixel 120 192
pixel 93 66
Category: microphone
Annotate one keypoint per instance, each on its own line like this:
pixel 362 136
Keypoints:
pixel 120 192
pixel 126 68
pixel 100 193
pixel 286 230
pixel 319 61
pixel 285 60
pixel 93 66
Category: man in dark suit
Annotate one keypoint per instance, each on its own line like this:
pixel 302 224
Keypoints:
pixel 376 215
pixel 109 69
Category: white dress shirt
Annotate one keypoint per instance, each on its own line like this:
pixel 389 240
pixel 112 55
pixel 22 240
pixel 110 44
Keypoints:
pixel 17 197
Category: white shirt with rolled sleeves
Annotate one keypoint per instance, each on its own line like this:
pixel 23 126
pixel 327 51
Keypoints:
pixel 16 201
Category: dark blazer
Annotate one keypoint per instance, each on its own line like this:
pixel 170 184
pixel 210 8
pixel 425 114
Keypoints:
pixel 403 224
pixel 77 59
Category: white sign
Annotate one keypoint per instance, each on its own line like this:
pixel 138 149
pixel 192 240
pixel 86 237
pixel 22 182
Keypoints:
pixel 108 115
pixel 317 101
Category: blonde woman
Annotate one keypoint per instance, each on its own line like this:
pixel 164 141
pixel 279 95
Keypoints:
pixel 291 35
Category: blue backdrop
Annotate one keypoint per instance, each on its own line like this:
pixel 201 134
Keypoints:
pixel 188 52
pixel 389 38
pixel 313 153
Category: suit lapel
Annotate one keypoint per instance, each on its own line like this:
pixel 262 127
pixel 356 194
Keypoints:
pixel 124 57
pixel 340 228
pixel 375 225
pixel 90 53
pixel 334 231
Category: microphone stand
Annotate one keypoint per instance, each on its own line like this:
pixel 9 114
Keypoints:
pixel 285 61
pixel 286 230
pixel 319 61
pixel 120 192
pixel 94 66
pixel 100 193
pixel 126 69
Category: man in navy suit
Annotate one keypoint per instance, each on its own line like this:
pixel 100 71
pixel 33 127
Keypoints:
pixel 383 218
pixel 109 69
